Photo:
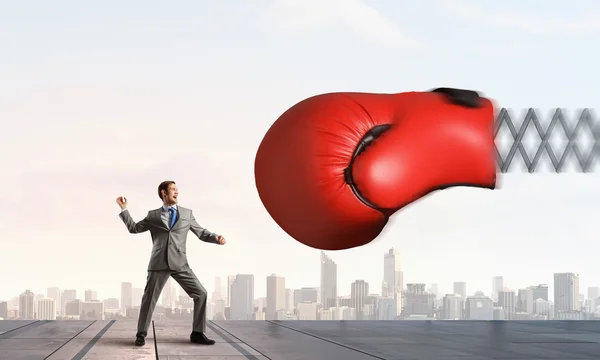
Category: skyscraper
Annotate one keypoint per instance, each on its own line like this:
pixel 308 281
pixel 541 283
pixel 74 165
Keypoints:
pixel 242 297
pixel 497 286
pixel 328 282
pixel 275 296
pixel 67 295
pixel 392 273
pixel 566 292
pixel 54 293
pixel 26 308
pixel 359 290
pixel 46 309
pixel 460 288
pixel 4 310
pixel 216 295
pixel 126 295
pixel 540 292
pixel 230 280
pixel 91 295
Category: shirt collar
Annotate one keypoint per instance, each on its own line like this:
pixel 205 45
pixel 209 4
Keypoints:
pixel 166 208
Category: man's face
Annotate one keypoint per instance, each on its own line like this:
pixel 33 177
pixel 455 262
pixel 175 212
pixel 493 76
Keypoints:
pixel 172 195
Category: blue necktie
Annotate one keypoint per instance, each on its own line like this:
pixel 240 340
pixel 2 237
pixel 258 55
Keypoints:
pixel 173 217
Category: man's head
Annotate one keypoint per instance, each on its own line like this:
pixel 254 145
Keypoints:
pixel 168 192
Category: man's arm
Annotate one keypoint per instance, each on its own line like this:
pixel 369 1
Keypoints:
pixel 132 226
pixel 201 232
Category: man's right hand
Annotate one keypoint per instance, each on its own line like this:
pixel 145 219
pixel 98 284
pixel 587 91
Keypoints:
pixel 122 202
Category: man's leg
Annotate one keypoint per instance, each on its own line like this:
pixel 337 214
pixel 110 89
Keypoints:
pixel 154 284
pixel 192 286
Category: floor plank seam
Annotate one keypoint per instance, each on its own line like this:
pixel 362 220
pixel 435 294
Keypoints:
pixel 223 334
pixel 68 341
pixel 326 340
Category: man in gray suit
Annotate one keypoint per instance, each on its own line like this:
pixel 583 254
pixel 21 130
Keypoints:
pixel 169 226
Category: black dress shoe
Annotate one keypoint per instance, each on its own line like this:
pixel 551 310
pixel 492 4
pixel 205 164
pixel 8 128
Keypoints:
pixel 140 341
pixel 200 338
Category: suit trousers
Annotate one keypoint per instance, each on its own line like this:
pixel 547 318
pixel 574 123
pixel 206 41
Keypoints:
pixel 189 283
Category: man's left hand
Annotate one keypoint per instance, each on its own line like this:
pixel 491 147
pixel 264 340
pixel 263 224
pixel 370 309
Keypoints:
pixel 220 240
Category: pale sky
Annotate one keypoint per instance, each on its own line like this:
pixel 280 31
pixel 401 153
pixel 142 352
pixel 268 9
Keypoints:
pixel 99 101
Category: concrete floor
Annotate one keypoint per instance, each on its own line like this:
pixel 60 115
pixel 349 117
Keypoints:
pixel 305 340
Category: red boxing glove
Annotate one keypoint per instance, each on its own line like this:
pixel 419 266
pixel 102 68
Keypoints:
pixel 334 167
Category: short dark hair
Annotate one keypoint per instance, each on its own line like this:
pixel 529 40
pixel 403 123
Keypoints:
pixel 164 186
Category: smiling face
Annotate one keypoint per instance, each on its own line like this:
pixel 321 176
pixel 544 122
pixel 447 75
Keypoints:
pixel 171 195
pixel 168 192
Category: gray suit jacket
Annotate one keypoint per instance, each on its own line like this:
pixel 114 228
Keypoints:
pixel 169 245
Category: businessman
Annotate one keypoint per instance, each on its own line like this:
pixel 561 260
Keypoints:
pixel 169 226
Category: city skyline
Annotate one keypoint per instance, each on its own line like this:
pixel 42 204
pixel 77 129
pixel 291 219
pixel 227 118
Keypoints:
pixel 328 294
pixel 86 96
pixel 379 288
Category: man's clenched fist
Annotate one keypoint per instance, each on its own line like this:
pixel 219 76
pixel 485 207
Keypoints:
pixel 220 240
pixel 122 202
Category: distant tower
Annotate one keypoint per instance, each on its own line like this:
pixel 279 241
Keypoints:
pixel 566 292
pixel 328 282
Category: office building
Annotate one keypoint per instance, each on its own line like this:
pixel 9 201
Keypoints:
pixel 359 290
pixel 479 307
pixel 26 306
pixel 460 288
pixel 566 292
pixel 242 297
pixel 275 296
pixel 452 308
pixel 126 296
pixel 46 309
pixel 328 282
pixel 497 286
pixel 91 295
pixel 54 293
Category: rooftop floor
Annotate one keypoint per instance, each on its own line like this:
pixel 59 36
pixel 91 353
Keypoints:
pixel 304 340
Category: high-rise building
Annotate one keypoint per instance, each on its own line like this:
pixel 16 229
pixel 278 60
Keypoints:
pixel 359 290
pixel 26 308
pixel 111 303
pixel 91 295
pixel 392 273
pixel 230 280
pixel 306 294
pixel 242 297
pixel 497 286
pixel 393 278
pixel 453 307
pixel 507 300
pixel 289 299
pixel 136 296
pixel 593 293
pixel 434 290
pixel 67 295
pixel 92 310
pixel 54 293
pixel 566 292
pixel 126 296
pixel 328 282
pixel 216 295
pixel 73 308
pixel 418 301
pixel 275 296
pixel 46 309
pixel 4 310
pixel 169 294
pixel 479 307
pixel 525 299
pixel 460 288
pixel 540 292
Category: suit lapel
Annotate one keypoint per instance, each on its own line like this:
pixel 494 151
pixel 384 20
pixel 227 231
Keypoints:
pixel 157 218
